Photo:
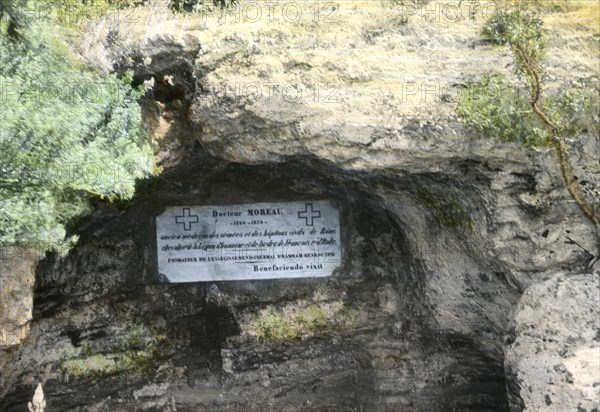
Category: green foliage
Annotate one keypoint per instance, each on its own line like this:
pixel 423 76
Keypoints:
pixel 66 134
pixel 133 353
pixel 573 112
pixel 576 111
pixel 498 111
pixel 522 31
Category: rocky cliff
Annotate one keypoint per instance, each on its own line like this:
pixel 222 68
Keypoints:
pixel 442 230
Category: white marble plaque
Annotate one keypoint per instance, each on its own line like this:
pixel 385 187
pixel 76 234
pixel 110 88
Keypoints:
pixel 248 241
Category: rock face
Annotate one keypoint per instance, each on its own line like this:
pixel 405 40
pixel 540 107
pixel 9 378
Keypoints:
pixel 442 231
pixel 553 356
pixel 407 339
pixel 17 275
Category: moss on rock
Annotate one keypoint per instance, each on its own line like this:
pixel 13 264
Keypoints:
pixel 449 212
pixel 299 322
pixel 133 353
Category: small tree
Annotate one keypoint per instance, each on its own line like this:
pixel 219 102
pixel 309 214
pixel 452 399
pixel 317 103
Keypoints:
pixel 66 135
pixel 525 36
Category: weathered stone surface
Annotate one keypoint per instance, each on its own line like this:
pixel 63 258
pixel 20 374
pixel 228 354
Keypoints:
pixel 248 241
pixel 442 230
pixel 17 275
pixel 553 354
pixel 384 331
pixel 375 54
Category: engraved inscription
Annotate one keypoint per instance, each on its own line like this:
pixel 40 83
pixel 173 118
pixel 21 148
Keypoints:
pixel 248 241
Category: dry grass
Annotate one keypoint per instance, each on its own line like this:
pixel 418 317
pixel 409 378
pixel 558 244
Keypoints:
pixel 582 17
pixel 402 61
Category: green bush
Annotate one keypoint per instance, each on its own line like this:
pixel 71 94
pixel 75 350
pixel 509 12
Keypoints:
pixel 66 134
pixel 576 111
pixel 498 111
pixel 11 17
pixel 186 5
pixel 502 112
pixel 566 115
pixel 521 31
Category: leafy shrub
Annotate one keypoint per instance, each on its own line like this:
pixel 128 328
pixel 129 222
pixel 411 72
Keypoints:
pixel 576 111
pixel 498 111
pixel 186 5
pixel 566 115
pixel 502 112
pixel 66 134
pixel 522 31
pixel 11 16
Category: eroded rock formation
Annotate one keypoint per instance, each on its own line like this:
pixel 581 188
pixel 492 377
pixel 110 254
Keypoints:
pixel 442 231
pixel 554 345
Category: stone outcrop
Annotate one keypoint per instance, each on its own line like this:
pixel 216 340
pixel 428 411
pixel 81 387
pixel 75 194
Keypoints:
pixel 442 230
pixel 17 276
pixel 408 340
pixel 553 352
